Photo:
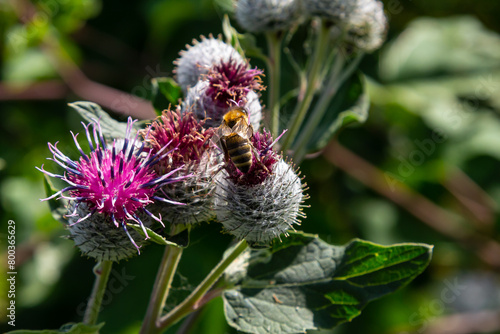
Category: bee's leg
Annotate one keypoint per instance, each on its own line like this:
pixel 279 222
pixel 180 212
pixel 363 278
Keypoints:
pixel 257 157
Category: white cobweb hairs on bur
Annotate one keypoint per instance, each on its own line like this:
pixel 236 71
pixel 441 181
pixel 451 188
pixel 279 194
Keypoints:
pixel 367 25
pixel 204 107
pixel 261 212
pixel 197 192
pixel 267 15
pixel 200 57
pixel 97 236
pixel 336 11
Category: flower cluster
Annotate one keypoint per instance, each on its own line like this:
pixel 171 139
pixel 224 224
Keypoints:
pixel 362 21
pixel 245 201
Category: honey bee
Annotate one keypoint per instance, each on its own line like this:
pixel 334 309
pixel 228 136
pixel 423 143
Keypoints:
pixel 234 137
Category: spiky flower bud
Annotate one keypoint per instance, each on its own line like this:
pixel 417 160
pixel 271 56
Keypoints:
pixel 367 25
pixel 195 158
pixel 267 15
pixel 335 11
pixel 199 58
pixel 226 82
pixel 264 203
pixel 109 188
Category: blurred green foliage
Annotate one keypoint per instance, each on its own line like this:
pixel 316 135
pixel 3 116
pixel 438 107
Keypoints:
pixel 434 90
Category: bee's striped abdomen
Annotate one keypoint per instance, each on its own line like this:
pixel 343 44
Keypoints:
pixel 240 152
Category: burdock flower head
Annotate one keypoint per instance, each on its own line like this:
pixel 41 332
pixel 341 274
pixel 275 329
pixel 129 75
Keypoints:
pixel 367 25
pixel 335 11
pixel 228 81
pixel 194 157
pixel 267 15
pixel 199 58
pixel 263 203
pixel 109 188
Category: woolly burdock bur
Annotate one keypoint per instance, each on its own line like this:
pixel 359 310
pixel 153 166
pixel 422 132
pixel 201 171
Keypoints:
pixel 228 81
pixel 265 202
pixel 199 58
pixel 108 188
pixel 193 159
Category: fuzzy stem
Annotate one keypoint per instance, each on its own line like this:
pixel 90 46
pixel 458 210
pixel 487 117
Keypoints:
pixel 321 107
pixel 274 41
pixel 192 302
pixel 317 63
pixel 161 288
pixel 101 271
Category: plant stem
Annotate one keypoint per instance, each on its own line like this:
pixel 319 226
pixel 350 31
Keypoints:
pixel 161 287
pixel 321 107
pixel 317 63
pixel 102 271
pixel 192 302
pixel 274 41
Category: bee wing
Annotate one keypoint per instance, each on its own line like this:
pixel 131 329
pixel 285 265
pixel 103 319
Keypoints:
pixel 243 129
pixel 218 138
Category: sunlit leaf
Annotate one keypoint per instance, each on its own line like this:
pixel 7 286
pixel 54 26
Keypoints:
pixel 92 112
pixel 304 283
pixel 166 92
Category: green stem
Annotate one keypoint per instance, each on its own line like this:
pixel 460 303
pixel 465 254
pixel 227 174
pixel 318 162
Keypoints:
pixel 317 63
pixel 274 67
pixel 334 83
pixel 102 271
pixel 161 288
pixel 192 302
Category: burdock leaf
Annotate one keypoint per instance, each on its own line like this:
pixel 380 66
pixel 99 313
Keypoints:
pixel 58 208
pixel 70 328
pixel 304 283
pixel 110 127
pixel 157 238
pixel 166 92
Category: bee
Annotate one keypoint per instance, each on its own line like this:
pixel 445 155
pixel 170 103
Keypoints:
pixel 234 135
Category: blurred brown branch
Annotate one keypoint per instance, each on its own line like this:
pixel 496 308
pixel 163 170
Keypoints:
pixel 108 97
pixel 426 211
pixel 473 198
pixel 46 90
pixel 487 321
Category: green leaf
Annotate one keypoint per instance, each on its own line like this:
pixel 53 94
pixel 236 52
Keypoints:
pixel 304 283
pixel 179 240
pixel 437 47
pixel 349 106
pixel 110 127
pixel 165 92
pixel 58 208
pixel 70 328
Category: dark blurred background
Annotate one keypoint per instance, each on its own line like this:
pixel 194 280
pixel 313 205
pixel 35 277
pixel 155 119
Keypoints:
pixel 423 168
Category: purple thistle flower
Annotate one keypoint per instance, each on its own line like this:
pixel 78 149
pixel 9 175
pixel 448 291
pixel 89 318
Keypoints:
pixel 182 132
pixel 262 165
pixel 212 111
pixel 232 81
pixel 193 157
pixel 114 182
pixel 200 57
